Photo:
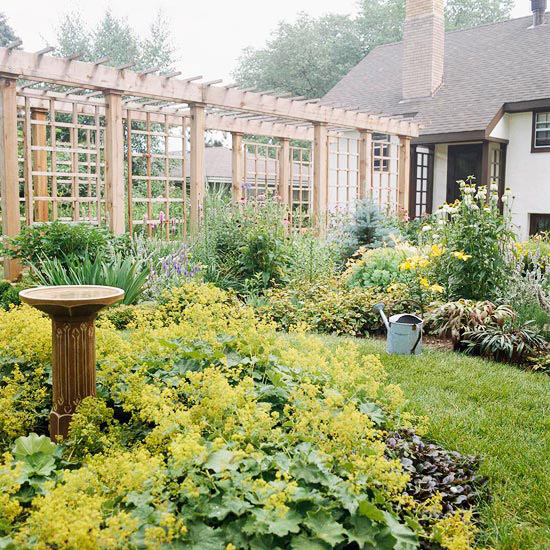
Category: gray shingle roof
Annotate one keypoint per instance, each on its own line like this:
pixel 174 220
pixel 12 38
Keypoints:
pixel 485 67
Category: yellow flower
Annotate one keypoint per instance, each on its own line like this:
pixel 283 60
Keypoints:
pixel 461 255
pixel 436 251
pixel 437 288
pixel 424 282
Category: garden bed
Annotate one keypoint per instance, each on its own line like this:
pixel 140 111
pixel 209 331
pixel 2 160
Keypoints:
pixel 494 411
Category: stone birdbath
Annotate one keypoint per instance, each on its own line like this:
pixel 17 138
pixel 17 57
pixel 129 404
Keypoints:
pixel 73 310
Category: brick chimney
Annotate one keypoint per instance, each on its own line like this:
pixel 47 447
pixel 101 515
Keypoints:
pixel 424 43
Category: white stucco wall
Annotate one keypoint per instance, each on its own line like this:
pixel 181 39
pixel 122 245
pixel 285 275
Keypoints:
pixel 527 174
pixel 440 175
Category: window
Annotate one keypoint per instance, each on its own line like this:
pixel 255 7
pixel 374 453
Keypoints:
pixel 541 132
pixel 539 223
pixel 422 181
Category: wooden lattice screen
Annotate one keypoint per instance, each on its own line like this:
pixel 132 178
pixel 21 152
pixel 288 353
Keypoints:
pixel 385 169
pixel 301 185
pixel 260 169
pixel 61 163
pixel 157 191
pixel 343 181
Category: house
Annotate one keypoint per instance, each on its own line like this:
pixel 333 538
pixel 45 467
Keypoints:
pixel 482 97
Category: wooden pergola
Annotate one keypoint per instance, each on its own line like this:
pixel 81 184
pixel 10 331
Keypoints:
pixel 106 107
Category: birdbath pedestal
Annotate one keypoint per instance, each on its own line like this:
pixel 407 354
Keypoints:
pixel 73 310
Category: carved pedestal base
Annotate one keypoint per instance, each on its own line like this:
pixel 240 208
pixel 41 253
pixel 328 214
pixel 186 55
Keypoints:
pixel 73 369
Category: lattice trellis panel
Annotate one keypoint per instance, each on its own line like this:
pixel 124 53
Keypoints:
pixel 343 177
pixel 157 190
pixel 301 186
pixel 260 169
pixel 61 162
pixel 385 172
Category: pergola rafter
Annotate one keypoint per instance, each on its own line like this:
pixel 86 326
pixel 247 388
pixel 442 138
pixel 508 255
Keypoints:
pixel 36 84
pixel 73 73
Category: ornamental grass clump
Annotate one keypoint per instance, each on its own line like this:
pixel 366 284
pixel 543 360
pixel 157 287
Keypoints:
pixel 214 433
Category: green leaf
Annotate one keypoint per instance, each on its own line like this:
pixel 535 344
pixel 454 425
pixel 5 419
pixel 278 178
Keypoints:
pixel 37 454
pixel 220 461
pixel 369 510
pixel 204 537
pixel 32 444
pixel 405 538
pixel 304 543
pixel 374 412
pixel 363 532
pixel 325 527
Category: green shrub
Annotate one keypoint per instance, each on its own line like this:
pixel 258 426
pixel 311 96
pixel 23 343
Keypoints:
pixel 378 268
pixel 246 249
pixel 56 240
pixel 369 227
pixel 331 307
pixel 311 258
pixel 122 316
pixel 411 230
pixel 9 294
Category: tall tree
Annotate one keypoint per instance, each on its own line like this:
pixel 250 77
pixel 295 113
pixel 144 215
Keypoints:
pixel 115 38
pixel 309 56
pixel 7 34
pixel 304 57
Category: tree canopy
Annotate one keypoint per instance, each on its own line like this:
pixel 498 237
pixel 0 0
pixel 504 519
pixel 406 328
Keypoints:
pixel 309 56
pixel 113 37
pixel 7 34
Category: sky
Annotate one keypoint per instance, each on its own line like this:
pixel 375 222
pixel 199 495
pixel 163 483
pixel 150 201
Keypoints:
pixel 209 35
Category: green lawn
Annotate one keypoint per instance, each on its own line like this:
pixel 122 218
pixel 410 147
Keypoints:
pixel 494 411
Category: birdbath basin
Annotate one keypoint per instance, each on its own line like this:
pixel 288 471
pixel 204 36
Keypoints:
pixel 73 310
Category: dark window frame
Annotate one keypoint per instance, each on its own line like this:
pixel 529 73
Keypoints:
pixel 414 180
pixel 534 149
pixel 534 219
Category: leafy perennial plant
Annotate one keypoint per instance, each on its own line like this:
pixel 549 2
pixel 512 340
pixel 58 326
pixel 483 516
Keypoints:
pixel 211 433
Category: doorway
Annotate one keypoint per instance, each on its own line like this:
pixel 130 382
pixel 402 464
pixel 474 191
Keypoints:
pixel 462 161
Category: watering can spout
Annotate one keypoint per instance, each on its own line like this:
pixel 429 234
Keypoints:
pixel 380 309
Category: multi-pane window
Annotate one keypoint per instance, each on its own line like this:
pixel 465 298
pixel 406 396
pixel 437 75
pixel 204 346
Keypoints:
pixel 423 179
pixel 541 131
pixel 496 166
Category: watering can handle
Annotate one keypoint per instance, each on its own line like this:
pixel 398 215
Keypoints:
pixel 417 341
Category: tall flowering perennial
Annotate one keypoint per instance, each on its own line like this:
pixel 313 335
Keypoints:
pixel 212 431
pixel 174 269
pixel 420 278
pixel 476 239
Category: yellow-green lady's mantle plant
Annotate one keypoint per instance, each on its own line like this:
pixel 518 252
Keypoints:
pixel 212 433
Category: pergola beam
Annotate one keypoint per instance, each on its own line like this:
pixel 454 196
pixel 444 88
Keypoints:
pixel 86 106
pixel 26 65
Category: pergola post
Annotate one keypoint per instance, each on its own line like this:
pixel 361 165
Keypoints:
pixel 9 170
pixel 284 171
pixel 404 175
pixel 114 159
pixel 320 176
pixel 196 164
pixel 40 164
pixel 236 167
pixel 365 164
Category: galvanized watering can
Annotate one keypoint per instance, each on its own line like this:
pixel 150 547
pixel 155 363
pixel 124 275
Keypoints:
pixel 404 332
